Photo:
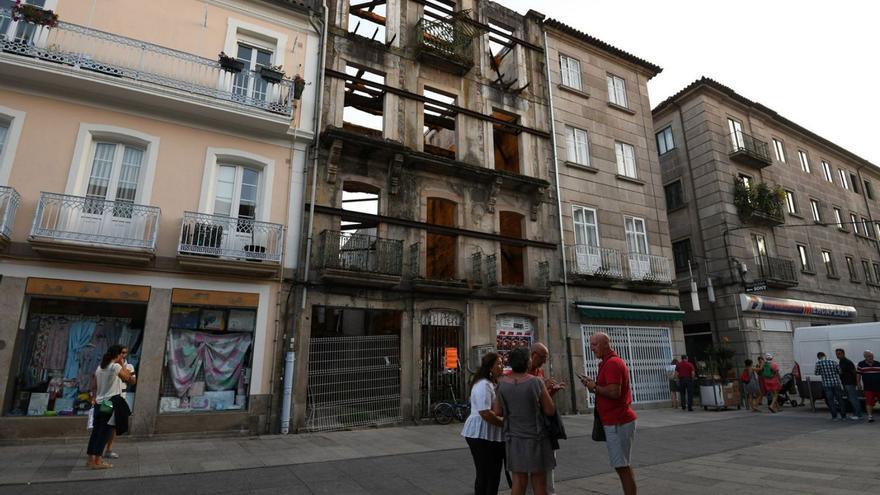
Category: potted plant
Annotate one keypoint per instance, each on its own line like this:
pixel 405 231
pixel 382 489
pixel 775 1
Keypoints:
pixel 34 15
pixel 230 64
pixel 273 74
pixel 299 84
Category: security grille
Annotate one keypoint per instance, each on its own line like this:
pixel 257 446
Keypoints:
pixel 646 350
pixel 353 382
pixel 438 383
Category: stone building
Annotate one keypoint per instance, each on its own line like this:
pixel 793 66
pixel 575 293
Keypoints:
pixel 780 219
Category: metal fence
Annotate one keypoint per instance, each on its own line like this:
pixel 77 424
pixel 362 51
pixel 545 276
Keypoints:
pixel 63 217
pixel 595 261
pixel 646 350
pixel 648 268
pixel 776 269
pixel 353 382
pixel 361 253
pixel 740 142
pixel 118 56
pixel 447 38
pixel 9 202
pixel 234 238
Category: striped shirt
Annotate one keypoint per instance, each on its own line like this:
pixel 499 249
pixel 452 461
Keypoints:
pixel 870 375
pixel 830 373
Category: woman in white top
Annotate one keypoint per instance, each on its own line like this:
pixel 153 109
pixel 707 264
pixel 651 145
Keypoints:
pixel 107 386
pixel 482 429
pixel 109 452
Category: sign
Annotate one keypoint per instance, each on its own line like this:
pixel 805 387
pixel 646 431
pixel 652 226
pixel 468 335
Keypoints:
pixel 87 290
pixel 215 298
pixel 451 357
pixel 756 287
pixel 761 304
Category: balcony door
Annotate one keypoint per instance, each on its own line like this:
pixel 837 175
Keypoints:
pixel 586 236
pixel 17 31
pixel 512 256
pixel 248 83
pixel 440 252
pixel 235 196
pixel 637 246
pixel 114 180
pixel 736 134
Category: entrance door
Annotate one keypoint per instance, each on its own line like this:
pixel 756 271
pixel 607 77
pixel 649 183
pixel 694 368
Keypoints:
pixel 439 383
pixel 512 256
pixel 440 253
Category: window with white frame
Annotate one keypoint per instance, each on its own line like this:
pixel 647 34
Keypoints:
pixel 20 31
pixel 665 143
pixel 586 226
pixel 815 211
pixel 570 68
pixel 617 90
pixel 790 202
pixel 804 258
pixel 838 217
pixel 237 191
pixel 780 150
pixel 626 159
pixel 805 162
pixel 826 171
pixel 636 237
pixel 578 145
pixel 115 175
pixel 248 83
pixel 843 181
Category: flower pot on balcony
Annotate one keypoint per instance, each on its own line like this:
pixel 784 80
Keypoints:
pixel 271 75
pixel 34 15
pixel 230 64
pixel 299 84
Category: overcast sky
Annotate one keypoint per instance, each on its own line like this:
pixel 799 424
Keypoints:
pixel 816 63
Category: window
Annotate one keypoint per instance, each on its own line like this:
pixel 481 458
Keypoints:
pixel 578 145
pixel 439 124
pixel 570 69
pixel 746 180
pixel 838 218
pixel 804 258
pixel 828 260
pixel 236 191
pixel 246 83
pixel 681 255
pixel 851 267
pixel 665 143
pixel 367 19
pixel 814 210
pixel 357 249
pixel 441 248
pixel 759 245
pixel 4 131
pixel 115 176
pixel 588 258
pixel 869 232
pixel 617 90
pixel 780 150
pixel 854 182
pixel 737 139
pixel 843 181
pixel 869 276
pixel 19 31
pixel 877 232
pixel 674 195
pixel 506 141
pixel 854 221
pixel 869 192
pixel 637 247
pixel 626 159
pixel 364 102
pixel 805 162
pixel 512 256
pixel 826 171
pixel 877 272
pixel 790 202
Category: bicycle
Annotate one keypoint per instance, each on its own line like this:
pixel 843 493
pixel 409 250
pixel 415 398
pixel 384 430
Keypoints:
pixel 443 412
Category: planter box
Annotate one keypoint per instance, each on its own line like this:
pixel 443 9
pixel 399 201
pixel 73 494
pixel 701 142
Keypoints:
pixel 230 64
pixel 272 76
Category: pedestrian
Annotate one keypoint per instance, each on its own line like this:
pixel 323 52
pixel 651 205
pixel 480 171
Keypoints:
pixel 109 408
pixel 482 429
pixel 673 382
pixel 613 399
pixel 869 376
pixel 109 452
pixel 537 358
pixel 772 383
pixel 751 387
pixel 848 377
pixel 523 401
pixel 831 386
pixel 686 373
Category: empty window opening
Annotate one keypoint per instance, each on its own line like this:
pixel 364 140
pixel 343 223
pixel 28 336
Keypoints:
pixel 512 256
pixel 439 10
pixel 439 127
pixel 359 198
pixel 506 141
pixel 441 248
pixel 367 19
pixel 364 101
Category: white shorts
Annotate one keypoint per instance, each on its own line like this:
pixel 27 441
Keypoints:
pixel 619 440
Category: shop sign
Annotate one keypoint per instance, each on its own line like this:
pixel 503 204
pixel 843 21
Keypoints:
pixel 756 287
pixel 215 298
pixel 87 290
pixel 763 304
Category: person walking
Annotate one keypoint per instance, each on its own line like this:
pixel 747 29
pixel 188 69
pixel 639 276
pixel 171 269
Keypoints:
pixel 686 373
pixel 110 410
pixel 848 377
pixel 831 386
pixel 751 387
pixel 537 358
pixel 482 429
pixel 772 382
pixel 868 374
pixel 673 382
pixel 109 452
pixel 523 401
pixel 613 399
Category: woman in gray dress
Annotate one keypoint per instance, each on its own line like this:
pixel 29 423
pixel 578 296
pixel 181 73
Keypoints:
pixel 523 401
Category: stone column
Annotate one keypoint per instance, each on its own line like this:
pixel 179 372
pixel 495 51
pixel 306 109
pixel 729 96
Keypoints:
pixel 149 372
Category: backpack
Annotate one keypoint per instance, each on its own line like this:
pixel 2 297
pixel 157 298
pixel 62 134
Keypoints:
pixel 746 377
pixel 767 372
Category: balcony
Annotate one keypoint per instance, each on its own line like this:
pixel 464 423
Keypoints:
pixel 94 229
pixel 759 204
pixel 749 150
pixel 443 285
pixel 237 245
pixel 360 259
pixel 9 202
pixel 648 269
pixel 446 44
pixel 142 74
pixel 776 272
pixel 539 290
pixel 593 263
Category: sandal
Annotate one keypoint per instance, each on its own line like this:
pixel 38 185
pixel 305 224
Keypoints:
pixel 102 465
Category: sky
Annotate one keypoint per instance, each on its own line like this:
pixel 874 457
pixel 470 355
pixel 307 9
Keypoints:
pixel 816 63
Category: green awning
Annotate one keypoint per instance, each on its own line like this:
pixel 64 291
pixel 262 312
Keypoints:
pixel 629 312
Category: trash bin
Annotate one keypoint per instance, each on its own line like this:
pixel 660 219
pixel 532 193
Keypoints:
pixel 711 394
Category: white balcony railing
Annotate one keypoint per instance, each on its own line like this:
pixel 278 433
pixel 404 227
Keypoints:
pixel 9 201
pixel 113 55
pixel 230 238
pixel 98 222
pixel 649 268
pixel 595 261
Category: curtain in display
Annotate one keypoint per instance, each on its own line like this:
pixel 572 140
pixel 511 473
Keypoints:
pixel 79 336
pixel 221 357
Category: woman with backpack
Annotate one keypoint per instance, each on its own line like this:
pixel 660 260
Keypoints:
pixel 772 384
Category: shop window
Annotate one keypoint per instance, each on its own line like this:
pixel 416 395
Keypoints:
pixel 512 255
pixel 208 359
pixel 62 345
pixel 506 142
pixel 353 322
pixel 441 248
pixel 367 18
pixel 439 128
pixel 364 101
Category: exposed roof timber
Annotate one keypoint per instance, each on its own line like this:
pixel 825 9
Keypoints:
pixel 368 5
pixel 595 42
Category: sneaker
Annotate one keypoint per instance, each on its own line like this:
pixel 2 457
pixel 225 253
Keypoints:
pixel 112 455
pixel 854 418
pixel 870 419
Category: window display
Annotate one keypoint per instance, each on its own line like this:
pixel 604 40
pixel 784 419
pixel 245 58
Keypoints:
pixel 512 332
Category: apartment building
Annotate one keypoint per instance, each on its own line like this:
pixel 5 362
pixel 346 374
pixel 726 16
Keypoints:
pixel 617 270
pixel 780 219
pixel 146 184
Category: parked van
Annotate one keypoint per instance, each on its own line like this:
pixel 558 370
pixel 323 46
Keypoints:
pixel 853 338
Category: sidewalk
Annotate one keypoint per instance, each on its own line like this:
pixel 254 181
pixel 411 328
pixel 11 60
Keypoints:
pixel 66 462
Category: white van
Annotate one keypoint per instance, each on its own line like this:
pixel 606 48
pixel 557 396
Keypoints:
pixel 853 338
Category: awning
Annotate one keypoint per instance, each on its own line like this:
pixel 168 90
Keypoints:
pixel 628 312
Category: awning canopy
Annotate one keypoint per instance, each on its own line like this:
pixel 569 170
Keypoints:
pixel 628 312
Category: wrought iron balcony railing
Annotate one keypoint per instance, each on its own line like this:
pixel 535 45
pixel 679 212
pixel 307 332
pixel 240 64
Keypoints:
pixel 648 268
pixel 474 276
pixel 97 222
pixel 126 58
pixel 230 238
pixel 361 253
pixel 749 149
pixel 541 281
pixel 776 271
pixel 594 261
pixel 9 202
pixel 448 40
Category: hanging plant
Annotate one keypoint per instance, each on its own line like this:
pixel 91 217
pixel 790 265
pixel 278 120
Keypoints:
pixel 34 15
pixel 230 64
pixel 299 84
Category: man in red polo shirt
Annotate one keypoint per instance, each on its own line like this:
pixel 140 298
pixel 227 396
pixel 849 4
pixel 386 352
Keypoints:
pixel 613 399
pixel 686 373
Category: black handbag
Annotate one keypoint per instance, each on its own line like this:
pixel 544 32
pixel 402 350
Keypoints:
pixel 598 429
pixel 555 429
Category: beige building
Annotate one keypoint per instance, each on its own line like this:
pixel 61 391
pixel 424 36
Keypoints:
pixel 150 196
pixel 783 219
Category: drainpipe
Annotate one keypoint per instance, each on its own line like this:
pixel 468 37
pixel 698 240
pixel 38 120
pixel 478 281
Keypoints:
pixel 561 232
